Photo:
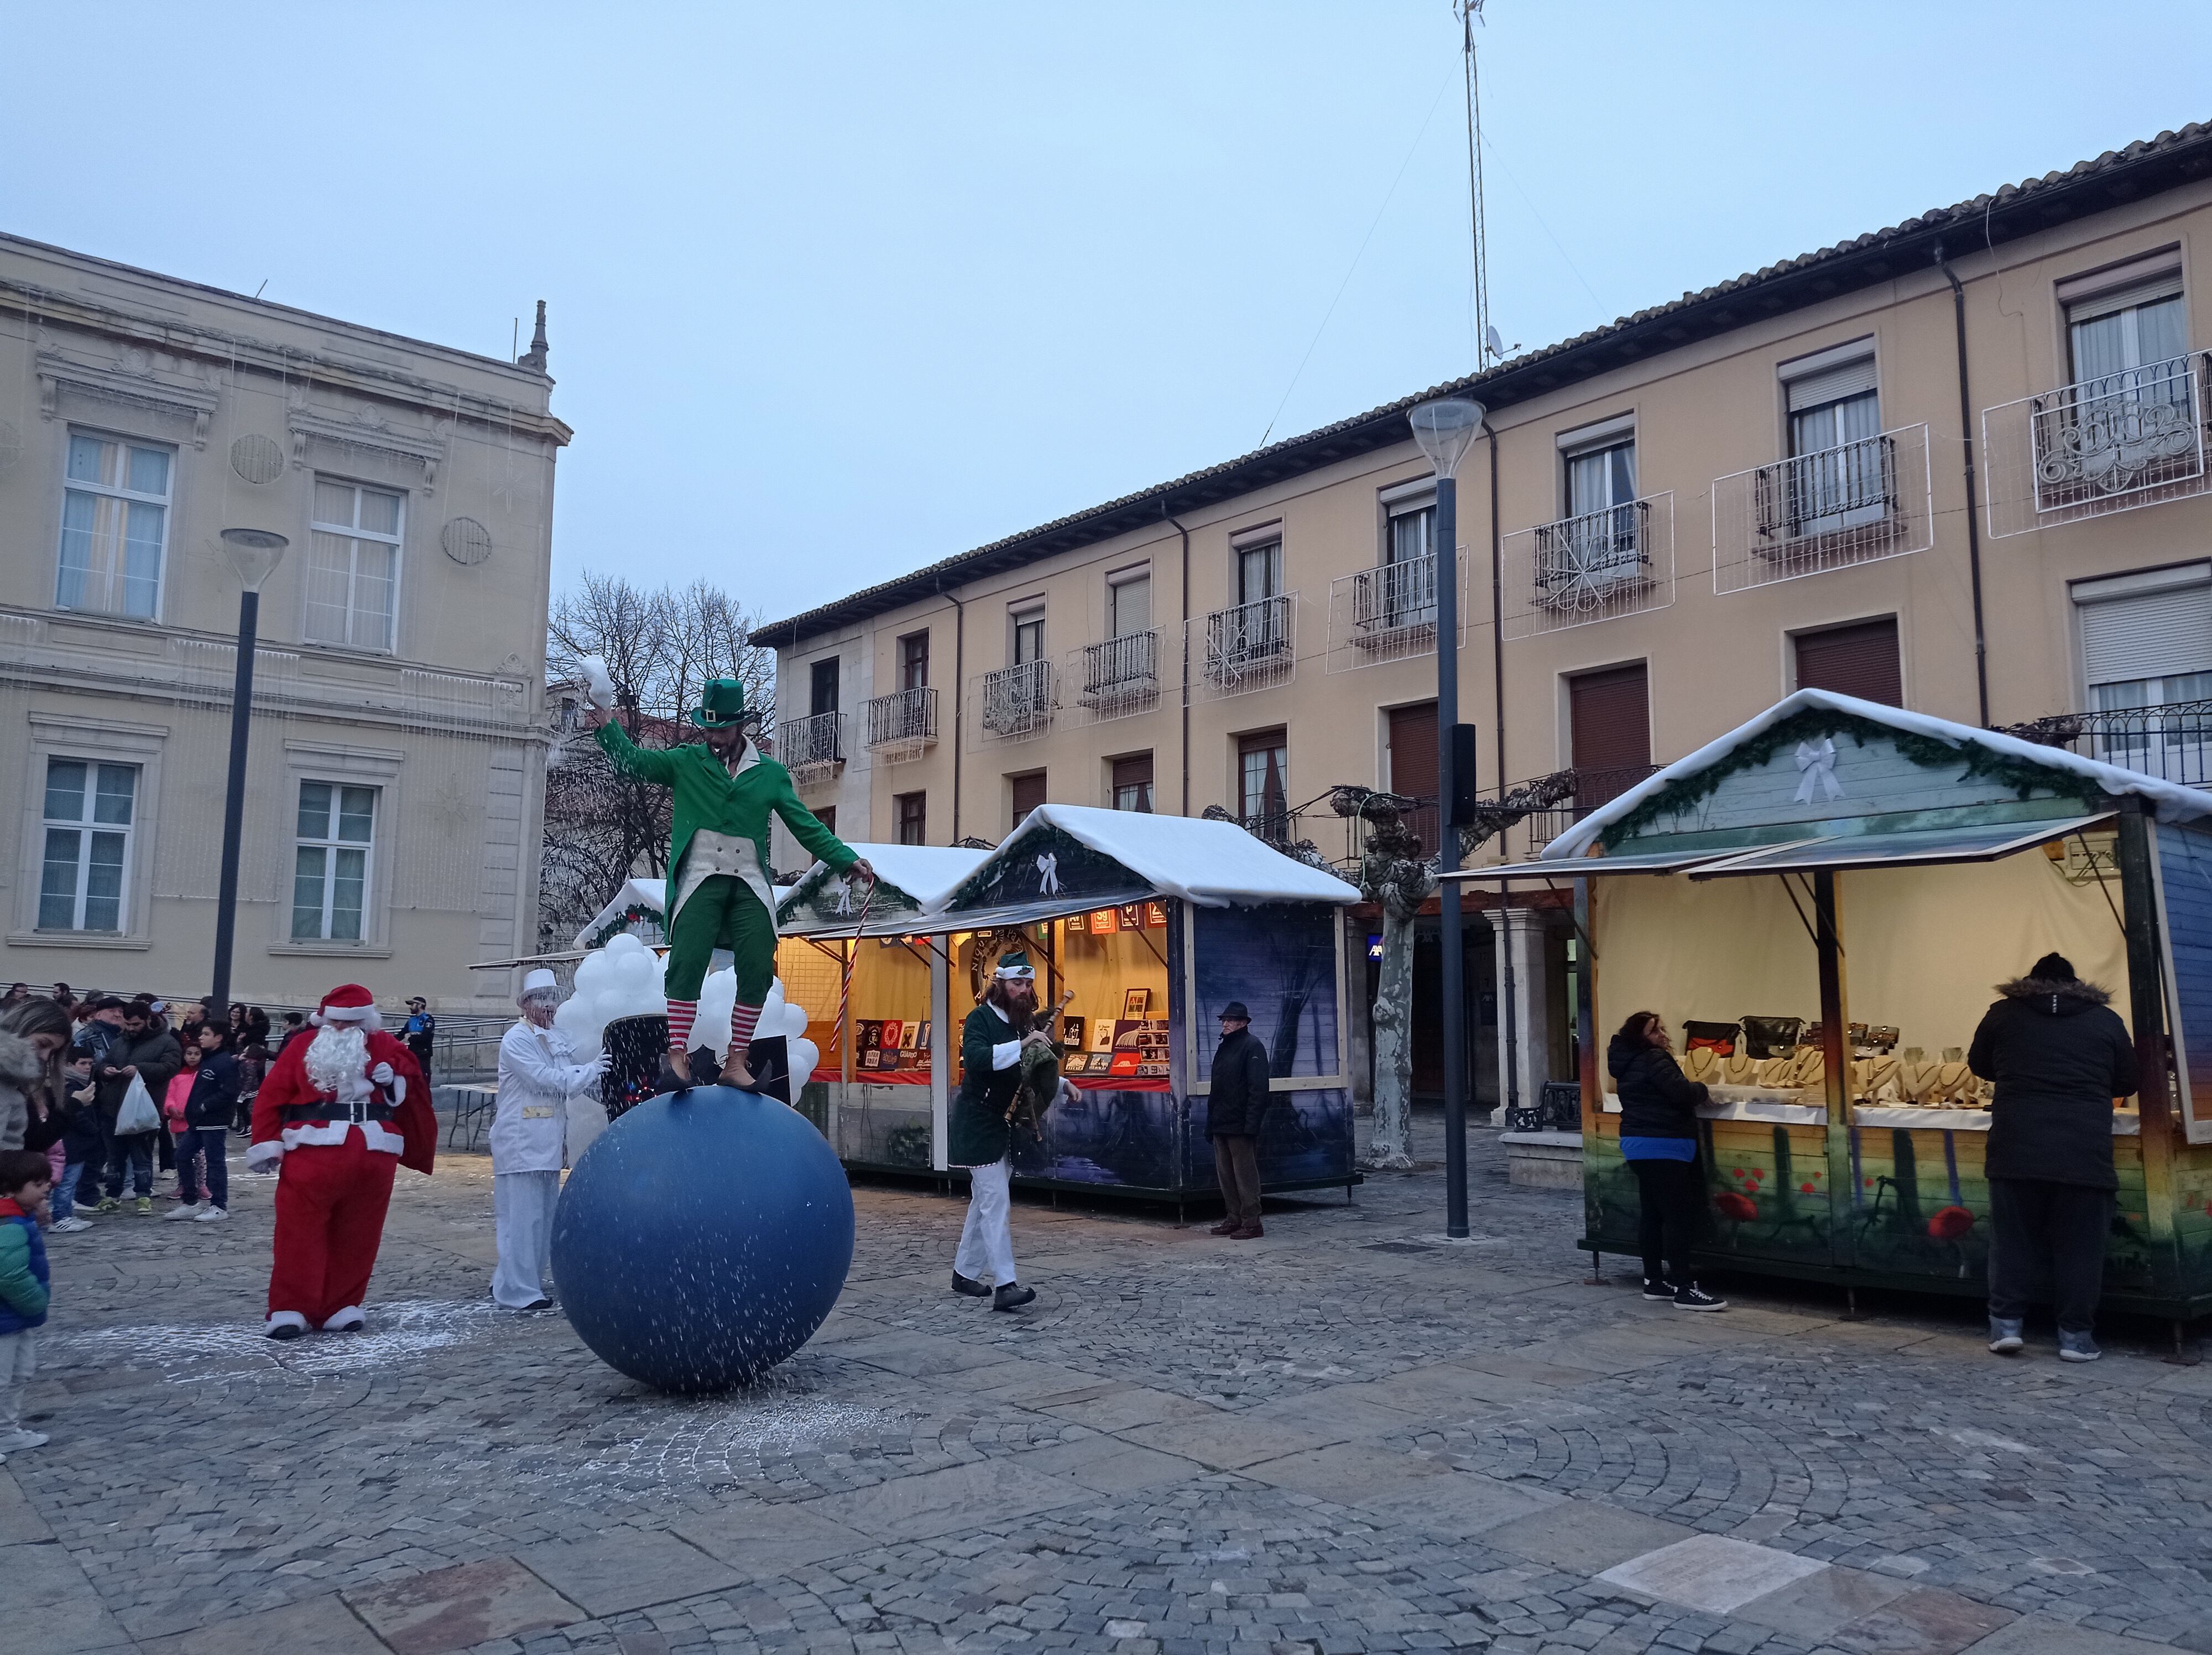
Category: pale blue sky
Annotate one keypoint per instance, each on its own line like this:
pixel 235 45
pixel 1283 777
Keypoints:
pixel 840 290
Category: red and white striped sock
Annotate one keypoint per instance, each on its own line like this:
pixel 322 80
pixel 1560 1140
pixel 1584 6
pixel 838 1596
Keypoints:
pixel 742 1018
pixel 681 1015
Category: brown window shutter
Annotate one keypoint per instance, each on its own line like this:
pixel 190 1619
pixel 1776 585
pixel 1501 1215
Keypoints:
pixel 1413 765
pixel 1029 793
pixel 1609 720
pixel 1853 660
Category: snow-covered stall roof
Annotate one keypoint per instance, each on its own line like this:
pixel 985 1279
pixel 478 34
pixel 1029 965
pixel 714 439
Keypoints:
pixel 1212 864
pixel 651 895
pixel 2172 801
pixel 916 879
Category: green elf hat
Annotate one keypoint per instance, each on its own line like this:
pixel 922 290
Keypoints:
pixel 722 704
pixel 1015 967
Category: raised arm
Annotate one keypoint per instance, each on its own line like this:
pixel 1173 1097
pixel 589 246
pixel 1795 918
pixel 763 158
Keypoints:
pixel 645 763
pixel 813 836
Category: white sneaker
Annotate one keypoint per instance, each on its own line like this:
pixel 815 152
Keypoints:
pixel 72 1224
pixel 183 1210
pixel 15 1441
pixel 211 1215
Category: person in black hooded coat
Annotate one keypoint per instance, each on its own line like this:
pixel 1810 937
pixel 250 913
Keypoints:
pixel 1659 1140
pixel 2058 1054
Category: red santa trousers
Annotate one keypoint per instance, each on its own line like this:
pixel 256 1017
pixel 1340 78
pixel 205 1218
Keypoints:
pixel 331 1201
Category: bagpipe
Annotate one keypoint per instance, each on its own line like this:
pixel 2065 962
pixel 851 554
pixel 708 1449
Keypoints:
pixel 1040 1069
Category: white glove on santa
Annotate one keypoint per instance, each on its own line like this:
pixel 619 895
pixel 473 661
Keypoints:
pixel 260 1157
pixel 382 1075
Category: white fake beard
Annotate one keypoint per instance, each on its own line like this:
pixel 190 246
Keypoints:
pixel 339 1052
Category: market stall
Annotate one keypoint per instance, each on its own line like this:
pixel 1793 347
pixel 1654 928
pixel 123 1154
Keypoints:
pixel 1820 906
pixel 1142 927
pixel 874 981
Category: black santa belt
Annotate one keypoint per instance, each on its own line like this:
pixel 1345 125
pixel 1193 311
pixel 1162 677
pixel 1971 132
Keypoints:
pixel 324 1111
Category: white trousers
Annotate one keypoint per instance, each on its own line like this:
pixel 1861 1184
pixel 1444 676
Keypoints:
pixel 522 1203
pixel 986 1245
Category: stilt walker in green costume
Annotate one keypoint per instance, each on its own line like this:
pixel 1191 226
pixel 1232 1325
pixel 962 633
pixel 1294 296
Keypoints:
pixel 718 868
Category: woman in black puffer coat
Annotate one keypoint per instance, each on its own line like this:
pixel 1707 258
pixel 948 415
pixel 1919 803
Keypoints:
pixel 1659 1140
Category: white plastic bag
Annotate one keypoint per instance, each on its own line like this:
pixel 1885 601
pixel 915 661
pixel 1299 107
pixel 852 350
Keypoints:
pixel 137 1113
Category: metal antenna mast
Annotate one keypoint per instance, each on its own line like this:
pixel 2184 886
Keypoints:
pixel 1469 11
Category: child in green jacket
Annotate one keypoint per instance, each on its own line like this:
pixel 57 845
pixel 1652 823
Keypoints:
pixel 24 1179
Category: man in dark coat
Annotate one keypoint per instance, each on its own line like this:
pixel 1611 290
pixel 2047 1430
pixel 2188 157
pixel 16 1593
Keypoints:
pixel 145 1051
pixel 1234 1108
pixel 2059 1055
pixel 981 1136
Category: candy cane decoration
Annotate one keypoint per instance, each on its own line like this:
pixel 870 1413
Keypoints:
pixel 845 978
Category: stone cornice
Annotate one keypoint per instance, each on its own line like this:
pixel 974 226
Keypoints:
pixel 140 389
pixel 217 347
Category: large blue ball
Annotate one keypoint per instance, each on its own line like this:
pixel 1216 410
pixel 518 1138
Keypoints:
pixel 703 1237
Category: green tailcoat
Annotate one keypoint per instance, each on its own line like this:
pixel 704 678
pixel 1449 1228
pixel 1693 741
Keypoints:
pixel 978 1134
pixel 708 796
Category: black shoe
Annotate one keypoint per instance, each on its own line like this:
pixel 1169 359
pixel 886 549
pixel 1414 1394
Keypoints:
pixel 1011 1295
pixel 1692 1296
pixel 969 1286
pixel 1657 1287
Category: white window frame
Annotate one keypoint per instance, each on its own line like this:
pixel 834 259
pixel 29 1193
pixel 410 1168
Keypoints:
pixel 166 502
pixel 397 541
pixel 331 845
pixel 100 741
pixel 86 824
pixel 380 767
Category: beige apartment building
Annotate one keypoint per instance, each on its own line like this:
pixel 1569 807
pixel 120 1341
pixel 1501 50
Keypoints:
pixel 1959 464
pixel 395 779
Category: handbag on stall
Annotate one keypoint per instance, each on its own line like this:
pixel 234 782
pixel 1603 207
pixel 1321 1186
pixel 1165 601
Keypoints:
pixel 1719 1037
pixel 1771 1037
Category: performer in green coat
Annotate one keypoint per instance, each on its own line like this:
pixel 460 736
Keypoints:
pixel 979 1138
pixel 719 894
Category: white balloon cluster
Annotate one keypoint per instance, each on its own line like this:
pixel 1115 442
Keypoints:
pixel 627 979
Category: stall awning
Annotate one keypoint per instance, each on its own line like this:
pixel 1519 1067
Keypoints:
pixel 1984 842
pixel 1654 862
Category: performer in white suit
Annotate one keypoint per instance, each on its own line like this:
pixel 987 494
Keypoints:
pixel 538 1074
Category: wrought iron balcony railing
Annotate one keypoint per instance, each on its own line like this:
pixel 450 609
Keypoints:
pixel 2111 443
pixel 1017 700
pixel 903 718
pixel 1585 563
pixel 1392 600
pixel 816 743
pixel 1251 645
pixel 2173 742
pixel 1852 503
pixel 1828 491
pixel 1120 675
pixel 1592 788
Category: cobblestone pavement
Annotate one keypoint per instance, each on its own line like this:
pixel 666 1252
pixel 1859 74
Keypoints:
pixel 1348 1436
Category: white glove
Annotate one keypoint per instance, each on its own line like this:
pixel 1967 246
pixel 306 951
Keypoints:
pixel 588 1072
pixel 382 1075
pixel 262 1156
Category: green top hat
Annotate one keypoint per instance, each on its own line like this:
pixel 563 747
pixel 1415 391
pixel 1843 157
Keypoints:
pixel 1016 965
pixel 722 704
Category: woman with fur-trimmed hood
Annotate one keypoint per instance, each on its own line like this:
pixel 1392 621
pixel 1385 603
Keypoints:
pixel 2059 1057
pixel 33 1033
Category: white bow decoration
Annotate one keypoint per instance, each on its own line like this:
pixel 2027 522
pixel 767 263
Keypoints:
pixel 1817 768
pixel 1047 875
pixel 844 889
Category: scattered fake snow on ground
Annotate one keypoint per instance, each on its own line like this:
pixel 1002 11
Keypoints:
pixel 397 1332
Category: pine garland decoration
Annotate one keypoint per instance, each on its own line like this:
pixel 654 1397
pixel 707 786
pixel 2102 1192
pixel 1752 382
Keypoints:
pixel 2025 776
pixel 636 914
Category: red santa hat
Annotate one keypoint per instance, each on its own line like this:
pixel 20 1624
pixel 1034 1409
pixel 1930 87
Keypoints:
pixel 347 1003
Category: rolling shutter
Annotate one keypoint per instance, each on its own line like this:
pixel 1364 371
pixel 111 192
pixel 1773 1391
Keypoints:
pixel 1851 378
pixel 2148 635
pixel 1853 660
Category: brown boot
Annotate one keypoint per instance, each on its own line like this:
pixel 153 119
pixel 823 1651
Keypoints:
pixel 1251 1231
pixel 1228 1227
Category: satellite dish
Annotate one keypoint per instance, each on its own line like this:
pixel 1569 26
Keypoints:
pixel 1496 341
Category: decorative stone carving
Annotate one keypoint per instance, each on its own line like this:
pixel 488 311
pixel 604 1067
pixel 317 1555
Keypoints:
pixel 371 431
pixel 257 459
pixel 134 387
pixel 466 541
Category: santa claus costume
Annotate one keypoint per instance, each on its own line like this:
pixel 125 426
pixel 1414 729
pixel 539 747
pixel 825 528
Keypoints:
pixel 342 1112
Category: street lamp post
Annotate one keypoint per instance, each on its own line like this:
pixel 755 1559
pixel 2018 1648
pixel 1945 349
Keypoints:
pixel 1445 430
pixel 252 555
